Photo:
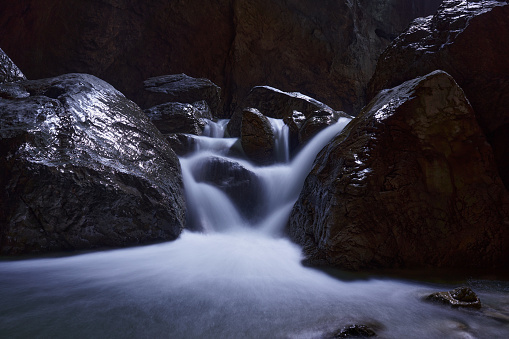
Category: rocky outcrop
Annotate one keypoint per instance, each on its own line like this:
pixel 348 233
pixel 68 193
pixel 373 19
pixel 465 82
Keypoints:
pixel 304 115
pixel 470 42
pixel 82 167
pixel 459 297
pixel 257 137
pixel 9 72
pixel 181 88
pixel 410 182
pixel 328 51
pixel 176 117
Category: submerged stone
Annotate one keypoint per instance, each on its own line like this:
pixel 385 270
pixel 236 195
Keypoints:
pixel 459 297
pixel 354 331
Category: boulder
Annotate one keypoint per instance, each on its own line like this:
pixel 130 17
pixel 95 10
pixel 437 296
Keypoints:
pixel 459 297
pixel 83 167
pixel 176 117
pixel 257 137
pixel 240 184
pixel 181 88
pixel 470 42
pixel 328 51
pixel 304 115
pixel 411 182
pixel 9 72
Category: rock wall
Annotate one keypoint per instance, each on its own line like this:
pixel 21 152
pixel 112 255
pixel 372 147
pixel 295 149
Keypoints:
pixel 411 182
pixel 327 51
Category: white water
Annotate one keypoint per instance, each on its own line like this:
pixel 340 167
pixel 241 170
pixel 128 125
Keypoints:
pixel 237 279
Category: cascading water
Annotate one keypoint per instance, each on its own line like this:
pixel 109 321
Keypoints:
pixel 237 278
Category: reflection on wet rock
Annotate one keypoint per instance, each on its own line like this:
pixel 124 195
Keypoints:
pixel 83 167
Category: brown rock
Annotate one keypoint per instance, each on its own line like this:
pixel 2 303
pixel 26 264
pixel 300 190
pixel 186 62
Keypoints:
pixel 470 43
pixel 459 297
pixel 327 51
pixel 410 182
pixel 257 137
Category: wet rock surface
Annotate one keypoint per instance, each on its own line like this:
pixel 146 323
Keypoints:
pixel 176 117
pixel 410 182
pixel 83 167
pixel 327 51
pixel 354 331
pixel 257 137
pixel 459 297
pixel 240 184
pixel 9 72
pixel 470 42
pixel 183 89
pixel 304 115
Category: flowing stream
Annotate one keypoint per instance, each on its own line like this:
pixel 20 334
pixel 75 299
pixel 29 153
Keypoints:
pixel 238 277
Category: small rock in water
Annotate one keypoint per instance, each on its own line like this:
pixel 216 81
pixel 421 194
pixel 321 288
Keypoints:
pixel 459 297
pixel 354 331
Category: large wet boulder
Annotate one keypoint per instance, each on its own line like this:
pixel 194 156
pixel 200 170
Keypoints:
pixel 327 51
pixel 410 182
pixel 82 167
pixel 176 117
pixel 257 137
pixel 181 88
pixel 9 72
pixel 470 42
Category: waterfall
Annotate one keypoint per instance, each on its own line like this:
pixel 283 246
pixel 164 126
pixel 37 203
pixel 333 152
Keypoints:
pixel 280 184
pixel 237 277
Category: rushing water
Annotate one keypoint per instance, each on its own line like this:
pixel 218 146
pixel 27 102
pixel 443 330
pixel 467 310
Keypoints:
pixel 238 278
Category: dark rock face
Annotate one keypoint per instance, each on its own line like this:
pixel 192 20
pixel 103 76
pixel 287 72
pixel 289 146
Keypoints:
pixel 470 43
pixel 9 72
pixel 410 182
pixel 327 51
pixel 257 137
pixel 459 297
pixel 181 88
pixel 304 115
pixel 175 117
pixel 82 167
pixel 240 184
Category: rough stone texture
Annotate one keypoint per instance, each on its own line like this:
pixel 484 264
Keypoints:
pixel 304 115
pixel 82 167
pixel 470 43
pixel 181 88
pixel 240 184
pixel 257 137
pixel 175 117
pixel 327 51
pixel 9 72
pixel 410 182
pixel 459 297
